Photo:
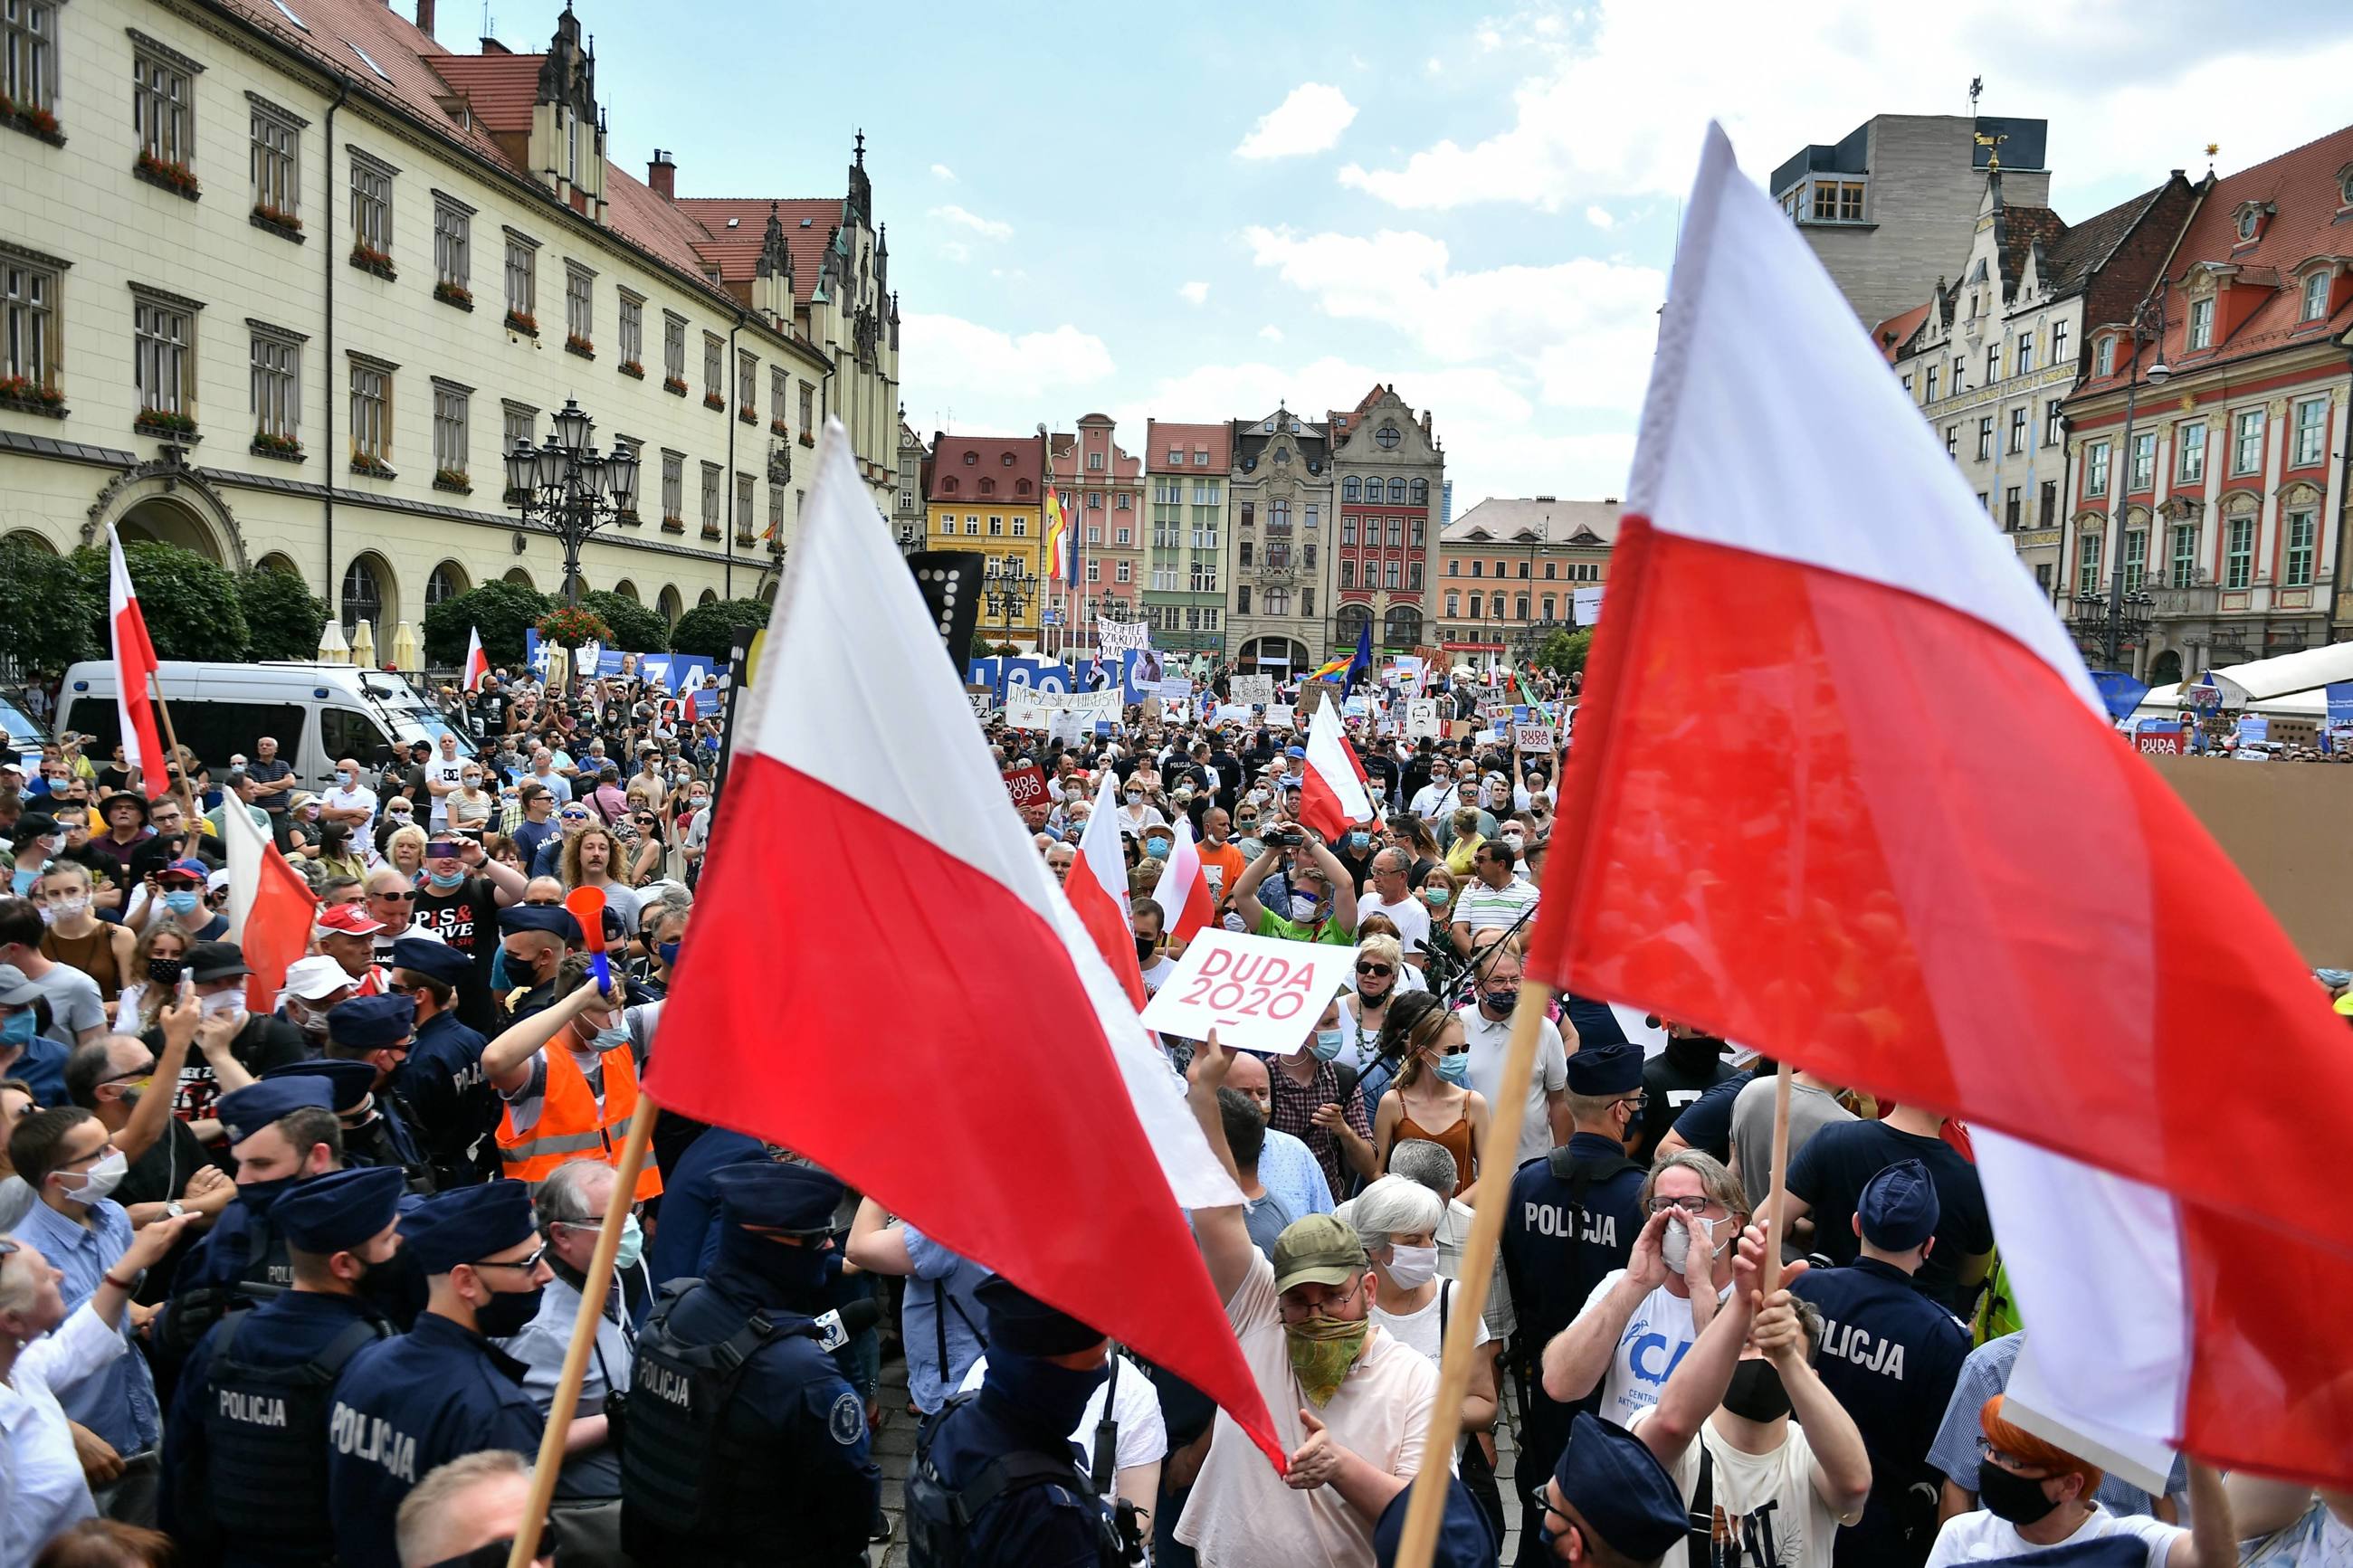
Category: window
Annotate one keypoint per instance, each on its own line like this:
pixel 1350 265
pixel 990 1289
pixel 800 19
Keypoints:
pixel 1389 574
pixel 1094 534
pixel 2308 437
pixel 1960 369
pixel 1347 531
pixel 1478 568
pixel 1520 607
pixel 633 330
pixel 163 101
pixel 276 157
pixel 2087 564
pixel 1352 488
pixel 1094 500
pixel 2247 441
pixel 714 362
pixel 1205 576
pixel 1421 492
pixel 996 528
pixel 522 290
pixel 1907 387
pixel 1396 493
pixel 1985 504
pixel 1307 602
pixel 2103 357
pixel 2238 552
pixel 2096 469
pixel 453 226
pixel 161 370
pixel 371 413
pixel 2014 506
pixel 2135 559
pixel 371 204
pixel 1246 552
pixel 674 349
pixel 1453 606
pixel 2185 555
pixel 2058 343
pixel 2249 221
pixel 1993 363
pixel 779 391
pixel 2017 429
pixel 1454 569
pixel 1952 441
pixel 1094 460
pixel 1121 536
pixel 1932 383
pixel 2051 431
pixel 2302 530
pixel 579 302
pixel 1985 437
pixel 276 387
pixel 744 496
pixel 1477 600
pixel 1120 571
pixel 450 442
pixel 1020 528
pixel 28 341
pixel 2201 323
pixel 808 409
pixel 2191 467
pixel 1348 573
pixel 1420 532
pixel 673 487
pixel 1242 599
pixel 2022 360
pixel 2046 511
pixel 1499 569
pixel 1396 532
pixel 1387 438
pixel 2144 460
pixel 28 68
pixel 1838 201
pixel 2316 294
pixel 710 498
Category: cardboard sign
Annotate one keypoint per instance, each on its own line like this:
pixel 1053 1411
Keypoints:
pixel 1279 716
pixel 1259 688
pixel 1259 993
pixel 1421 718
pixel 1314 695
pixel 1026 786
pixel 1533 738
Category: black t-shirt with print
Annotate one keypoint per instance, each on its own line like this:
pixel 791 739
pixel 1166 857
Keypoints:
pixel 1837 1162
pixel 468 920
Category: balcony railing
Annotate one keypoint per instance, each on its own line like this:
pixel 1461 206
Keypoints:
pixel 2173 604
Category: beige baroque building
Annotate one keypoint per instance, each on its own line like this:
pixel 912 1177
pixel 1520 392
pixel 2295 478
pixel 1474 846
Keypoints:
pixel 283 282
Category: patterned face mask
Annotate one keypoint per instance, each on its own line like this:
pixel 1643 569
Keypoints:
pixel 1322 1351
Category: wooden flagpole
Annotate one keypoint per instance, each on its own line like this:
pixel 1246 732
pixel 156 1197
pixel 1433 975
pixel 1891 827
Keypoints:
pixel 172 745
pixel 593 1288
pixel 1781 1080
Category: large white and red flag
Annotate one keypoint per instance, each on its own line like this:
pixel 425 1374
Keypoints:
pixel 1335 794
pixel 1775 826
pixel 478 663
pixel 1183 891
pixel 269 907
pixel 1097 888
pixel 134 665
pixel 989 1079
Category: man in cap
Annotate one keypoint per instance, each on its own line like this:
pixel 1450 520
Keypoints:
pixel 27 1054
pixel 125 816
pixel 998 1481
pixel 1891 1356
pixel 406 1404
pixel 1609 1501
pixel 366 1042
pixel 347 933
pixel 245 1455
pixel 1571 1221
pixel 458 904
pixel 313 986
pixel 449 1103
pixel 742 1435
pixel 533 939
pixel 234 1047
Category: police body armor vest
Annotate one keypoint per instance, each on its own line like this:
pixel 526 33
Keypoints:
pixel 266 1433
pixel 1582 1175
pixel 182 1324
pixel 940 1517
pixel 687 1483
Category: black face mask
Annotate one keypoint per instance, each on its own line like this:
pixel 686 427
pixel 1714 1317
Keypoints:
pixel 507 1313
pixel 2012 1497
pixel 165 971
pixel 1144 946
pixel 395 1287
pixel 1755 1393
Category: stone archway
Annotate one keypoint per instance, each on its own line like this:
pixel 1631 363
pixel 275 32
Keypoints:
pixel 278 561
pixel 520 577
pixel 168 503
pixel 166 520
pixel 2165 669
pixel 33 537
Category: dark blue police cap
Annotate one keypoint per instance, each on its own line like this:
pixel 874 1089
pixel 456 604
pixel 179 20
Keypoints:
pixel 555 922
pixel 1020 1322
pixel 1463 1539
pixel 338 1210
pixel 246 1111
pixel 365 1023
pixel 777 1194
pixel 434 960
pixel 469 1223
pixel 1611 1066
pixel 349 1082
pixel 1619 1489
pixel 1899 1208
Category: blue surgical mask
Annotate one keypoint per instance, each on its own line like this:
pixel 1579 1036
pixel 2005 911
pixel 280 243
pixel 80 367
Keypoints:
pixel 16 1029
pixel 1358 840
pixel 1455 1067
pixel 1327 1044
pixel 443 884
pixel 614 1038
pixel 1157 847
pixel 181 901
pixel 669 953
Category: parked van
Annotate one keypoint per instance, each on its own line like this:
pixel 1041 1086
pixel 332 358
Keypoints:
pixel 317 714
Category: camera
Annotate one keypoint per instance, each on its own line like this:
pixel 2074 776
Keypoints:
pixel 1289 840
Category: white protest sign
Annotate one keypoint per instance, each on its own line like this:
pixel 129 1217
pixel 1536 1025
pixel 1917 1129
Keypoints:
pixel 1115 637
pixel 1175 710
pixel 1025 712
pixel 1278 715
pixel 1533 738
pixel 1421 718
pixel 1259 688
pixel 1585 605
pixel 982 702
pixel 1258 993
pixel 1231 713
pixel 1172 689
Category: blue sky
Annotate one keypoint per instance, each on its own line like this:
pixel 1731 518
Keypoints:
pixel 1189 213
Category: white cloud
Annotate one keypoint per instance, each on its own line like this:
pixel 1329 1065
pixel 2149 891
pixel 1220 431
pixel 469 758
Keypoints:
pixel 1309 120
pixel 1193 293
pixel 986 227
pixel 1271 332
pixel 1434 65
pixel 1599 218
pixel 956 250
pixel 960 355
pixel 941 172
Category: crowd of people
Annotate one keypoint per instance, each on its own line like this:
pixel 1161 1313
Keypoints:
pixel 290 1278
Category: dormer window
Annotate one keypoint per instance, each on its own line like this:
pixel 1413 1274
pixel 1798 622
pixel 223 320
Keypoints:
pixel 1006 459
pixel 2104 357
pixel 2315 295
pixel 971 457
pixel 2345 186
pixel 2201 323
pixel 2250 220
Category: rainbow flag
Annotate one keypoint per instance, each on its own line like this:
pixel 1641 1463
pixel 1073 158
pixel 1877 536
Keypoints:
pixel 1061 545
pixel 1326 672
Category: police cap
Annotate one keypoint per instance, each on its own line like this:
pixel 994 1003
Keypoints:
pixel 246 1111
pixel 434 960
pixel 543 917
pixel 1022 1324
pixel 469 1223
pixel 339 1210
pixel 349 1082
pixel 1463 1539
pixel 1611 1066
pixel 367 1022
pixel 777 1194
pixel 1619 1488
pixel 1899 1208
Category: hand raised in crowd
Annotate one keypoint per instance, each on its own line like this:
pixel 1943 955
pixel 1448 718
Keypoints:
pixel 1647 1267
pixel 181 1018
pixel 1316 1462
pixel 1209 1066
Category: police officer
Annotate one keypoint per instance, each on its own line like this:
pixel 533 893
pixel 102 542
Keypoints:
pixel 1892 1356
pixel 998 1481
pixel 741 1441
pixel 442 1389
pixel 1608 1500
pixel 245 1456
pixel 532 941
pixel 440 1088
pixel 373 1032
pixel 1572 1217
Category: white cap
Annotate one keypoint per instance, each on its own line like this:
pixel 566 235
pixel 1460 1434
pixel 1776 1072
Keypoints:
pixel 217 880
pixel 318 975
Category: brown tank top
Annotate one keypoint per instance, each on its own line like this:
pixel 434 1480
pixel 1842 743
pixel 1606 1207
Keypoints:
pixel 1455 1141
pixel 92 954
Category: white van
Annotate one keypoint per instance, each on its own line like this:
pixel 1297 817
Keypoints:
pixel 316 713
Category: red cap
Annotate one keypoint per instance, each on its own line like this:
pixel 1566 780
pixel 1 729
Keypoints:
pixel 350 920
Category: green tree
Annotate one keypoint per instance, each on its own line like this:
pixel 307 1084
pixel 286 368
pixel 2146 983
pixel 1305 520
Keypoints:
pixel 283 615
pixel 502 611
pixel 54 614
pixel 188 602
pixel 635 629
pixel 709 629
pixel 1563 653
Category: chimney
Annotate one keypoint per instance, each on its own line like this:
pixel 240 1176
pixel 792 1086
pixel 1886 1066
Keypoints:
pixel 662 175
pixel 425 18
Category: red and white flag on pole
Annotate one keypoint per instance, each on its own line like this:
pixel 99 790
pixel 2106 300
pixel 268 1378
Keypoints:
pixel 1183 891
pixel 270 907
pixel 478 663
pixel 1832 869
pixel 994 1059
pixel 1097 888
pixel 1335 794
pixel 134 663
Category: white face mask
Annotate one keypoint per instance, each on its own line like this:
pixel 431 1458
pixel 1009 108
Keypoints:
pixel 101 1179
pixel 1675 1245
pixel 220 1004
pixel 1410 1267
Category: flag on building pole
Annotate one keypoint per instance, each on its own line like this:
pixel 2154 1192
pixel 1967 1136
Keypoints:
pixel 478 663
pixel 1831 871
pixel 1360 663
pixel 1001 1061
pixel 134 667
pixel 1183 891
pixel 270 907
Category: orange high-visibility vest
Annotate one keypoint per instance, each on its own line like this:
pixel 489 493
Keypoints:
pixel 569 1124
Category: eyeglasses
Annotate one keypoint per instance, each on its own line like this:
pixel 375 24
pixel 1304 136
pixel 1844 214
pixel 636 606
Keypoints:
pixel 399 895
pixel 1691 1206
pixel 525 1264
pixel 1376 969
pixel 573 816
pixel 2009 1461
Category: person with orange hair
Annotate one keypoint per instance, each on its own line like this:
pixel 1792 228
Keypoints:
pixel 2036 1495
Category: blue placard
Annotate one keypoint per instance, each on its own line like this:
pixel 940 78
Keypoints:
pixel 2340 702
pixel 2254 727
pixel 671 669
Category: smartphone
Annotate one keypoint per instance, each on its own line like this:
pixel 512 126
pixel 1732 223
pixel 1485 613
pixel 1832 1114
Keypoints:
pixel 441 850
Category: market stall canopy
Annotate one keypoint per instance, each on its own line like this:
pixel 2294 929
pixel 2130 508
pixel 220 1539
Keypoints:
pixel 2289 673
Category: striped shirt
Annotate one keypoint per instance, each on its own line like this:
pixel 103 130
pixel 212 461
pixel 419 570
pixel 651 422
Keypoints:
pixel 1482 906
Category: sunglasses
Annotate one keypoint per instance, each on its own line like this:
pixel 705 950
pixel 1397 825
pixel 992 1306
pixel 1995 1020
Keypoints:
pixel 1375 969
pixel 404 895
pixel 494 1554
pixel 525 1264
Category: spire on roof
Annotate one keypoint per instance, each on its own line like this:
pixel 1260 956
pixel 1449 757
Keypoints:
pixel 861 146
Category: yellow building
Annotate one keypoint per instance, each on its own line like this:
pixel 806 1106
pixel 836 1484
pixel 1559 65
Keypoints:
pixel 985 494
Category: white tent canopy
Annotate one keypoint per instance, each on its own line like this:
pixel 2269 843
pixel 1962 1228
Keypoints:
pixel 2266 678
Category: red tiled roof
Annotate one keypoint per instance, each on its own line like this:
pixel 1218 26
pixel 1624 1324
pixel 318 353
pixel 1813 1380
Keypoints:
pixel 2022 228
pixel 1122 466
pixel 1890 336
pixel 988 454
pixel 1160 434
pixel 737 249
pixel 501 88
pixel 331 29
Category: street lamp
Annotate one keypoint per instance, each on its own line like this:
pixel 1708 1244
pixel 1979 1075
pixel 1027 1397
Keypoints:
pixel 565 487
pixel 2147 326
pixel 1007 594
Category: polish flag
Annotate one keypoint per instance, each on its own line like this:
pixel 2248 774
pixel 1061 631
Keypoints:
pixel 269 909
pixel 2032 933
pixel 134 664
pixel 1098 890
pixel 995 1058
pixel 1335 794
pixel 1182 893
pixel 478 663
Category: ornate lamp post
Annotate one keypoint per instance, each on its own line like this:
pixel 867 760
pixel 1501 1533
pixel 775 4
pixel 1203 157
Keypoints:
pixel 565 487
pixel 2147 326
pixel 1007 594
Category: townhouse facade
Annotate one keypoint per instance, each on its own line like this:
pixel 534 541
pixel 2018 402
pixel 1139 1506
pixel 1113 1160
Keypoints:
pixel 1186 472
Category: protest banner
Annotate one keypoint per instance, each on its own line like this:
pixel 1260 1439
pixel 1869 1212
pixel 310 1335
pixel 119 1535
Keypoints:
pixel 1121 636
pixel 2254 727
pixel 1537 738
pixel 1026 786
pixel 1586 603
pixel 1257 689
pixel 1026 709
pixel 1421 718
pixel 1173 689
pixel 1258 993
pixel 1231 713
pixel 1279 716
pixel 1311 696
pixel 2159 739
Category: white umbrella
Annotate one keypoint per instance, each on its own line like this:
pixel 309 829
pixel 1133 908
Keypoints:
pixel 405 652
pixel 333 649
pixel 364 645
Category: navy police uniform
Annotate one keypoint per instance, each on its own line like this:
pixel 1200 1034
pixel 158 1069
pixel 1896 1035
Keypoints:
pixel 1892 1357
pixel 407 1404
pixel 244 1454
pixel 1572 1219
pixel 449 1103
pixel 374 1131
pixel 1609 1487
pixel 741 1441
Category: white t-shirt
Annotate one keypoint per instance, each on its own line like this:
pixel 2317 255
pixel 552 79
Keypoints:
pixel 1157 972
pixel 1422 1329
pixel 1143 1433
pixel 1657 1334
pixel 359 799
pixel 449 771
pixel 1981 1537
pixel 1411 915
pixel 1488 1040
pixel 1757 1493
pixel 1241 1514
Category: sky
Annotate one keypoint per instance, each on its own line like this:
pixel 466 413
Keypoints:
pixel 1195 213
